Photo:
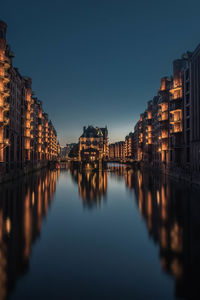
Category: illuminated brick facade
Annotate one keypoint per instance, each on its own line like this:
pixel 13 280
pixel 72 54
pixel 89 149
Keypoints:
pixel 26 134
pixel 93 144
pixel 128 146
pixel 158 135
pixel 117 150
pixel 5 64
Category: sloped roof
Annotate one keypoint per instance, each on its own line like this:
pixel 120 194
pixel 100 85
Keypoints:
pixel 92 132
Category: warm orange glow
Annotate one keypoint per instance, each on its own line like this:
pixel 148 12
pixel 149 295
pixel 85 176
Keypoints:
pixel 163 84
pixel 8 225
pixel 149 128
pixel 176 268
pixel 163 204
pixel 149 115
pixel 164 106
pixel 176 93
pixel 163 237
pixel 164 145
pixel 176 238
pixel 164 134
pixel 164 116
pixel 158 197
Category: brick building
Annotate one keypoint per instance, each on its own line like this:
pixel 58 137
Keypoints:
pixel 26 134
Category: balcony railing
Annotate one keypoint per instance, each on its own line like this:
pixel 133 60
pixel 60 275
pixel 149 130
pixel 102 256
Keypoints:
pixel 6 106
pixel 27 125
pixel 6 64
pixel 176 129
pixel 175 120
pixel 5 121
pixel 5 93
pixel 175 98
pixel 163 117
pixel 6 78
pixel 175 106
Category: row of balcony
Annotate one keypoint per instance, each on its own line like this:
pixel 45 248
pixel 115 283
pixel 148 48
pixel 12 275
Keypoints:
pixel 5 93
pixel 5 63
pixel 176 105
pixel 5 121
pixel 162 114
pixel 175 119
pixel 5 106
pixel 4 74
pixel 176 129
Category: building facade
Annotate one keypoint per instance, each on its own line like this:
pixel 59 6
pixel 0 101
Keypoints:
pixel 27 136
pixel 117 151
pixel 191 124
pixel 93 144
pixel 167 131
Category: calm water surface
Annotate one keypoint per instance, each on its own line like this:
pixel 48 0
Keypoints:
pixel 119 234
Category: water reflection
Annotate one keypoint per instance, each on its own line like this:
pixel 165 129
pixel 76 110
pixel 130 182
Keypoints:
pixel 171 211
pixel 22 206
pixel 92 186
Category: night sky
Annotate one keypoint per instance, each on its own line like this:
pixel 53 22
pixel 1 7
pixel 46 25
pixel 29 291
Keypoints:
pixel 98 61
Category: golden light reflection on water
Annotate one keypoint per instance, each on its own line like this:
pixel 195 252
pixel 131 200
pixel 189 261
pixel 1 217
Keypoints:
pixel 92 186
pixel 22 207
pixel 164 206
pixel 172 224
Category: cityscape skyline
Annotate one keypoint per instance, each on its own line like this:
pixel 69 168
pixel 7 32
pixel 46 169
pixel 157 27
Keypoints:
pixel 99 149
pixel 123 42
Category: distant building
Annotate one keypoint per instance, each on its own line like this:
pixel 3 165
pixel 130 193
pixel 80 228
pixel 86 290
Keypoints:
pixel 93 144
pixel 128 146
pixel 64 151
pixel 117 150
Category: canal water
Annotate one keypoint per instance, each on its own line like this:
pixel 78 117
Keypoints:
pixel 117 234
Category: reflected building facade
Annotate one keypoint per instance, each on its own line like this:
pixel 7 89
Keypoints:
pixel 22 208
pixel 92 186
pixel 171 212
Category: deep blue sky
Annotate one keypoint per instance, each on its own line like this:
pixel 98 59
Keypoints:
pixel 98 61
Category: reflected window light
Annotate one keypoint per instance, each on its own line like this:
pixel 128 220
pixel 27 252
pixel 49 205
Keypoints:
pixel 158 197
pixel 176 268
pixel 33 198
pixel 8 225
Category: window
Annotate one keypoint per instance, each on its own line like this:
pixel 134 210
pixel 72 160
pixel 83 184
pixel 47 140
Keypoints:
pixel 188 123
pixel 187 111
pixel 187 87
pixel 188 137
pixel 187 74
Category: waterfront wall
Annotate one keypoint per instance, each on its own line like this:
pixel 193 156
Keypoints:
pixel 176 172
pixel 13 174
